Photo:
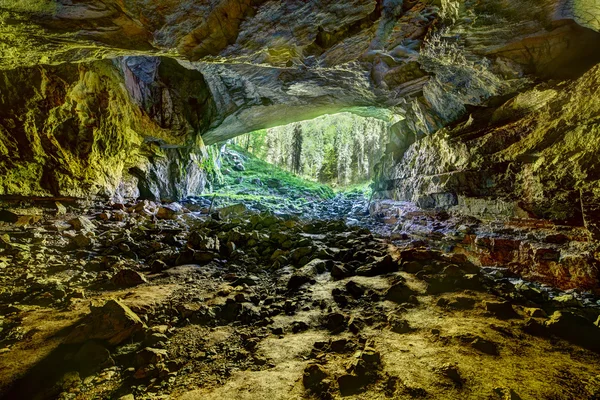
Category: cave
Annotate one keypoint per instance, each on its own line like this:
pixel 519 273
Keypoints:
pixel 248 199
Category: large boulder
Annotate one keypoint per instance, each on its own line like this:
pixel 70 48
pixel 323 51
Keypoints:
pixel 112 322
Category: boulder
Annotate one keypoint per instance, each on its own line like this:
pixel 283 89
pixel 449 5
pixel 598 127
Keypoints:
pixel 128 277
pixel 399 293
pixel 315 378
pixel 574 328
pixel 398 325
pixel 113 322
pixel 306 274
pixel 485 346
pixel 169 211
pixel 500 309
pixel 81 241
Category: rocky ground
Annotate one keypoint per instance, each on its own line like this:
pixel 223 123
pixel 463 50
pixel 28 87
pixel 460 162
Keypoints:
pixel 146 300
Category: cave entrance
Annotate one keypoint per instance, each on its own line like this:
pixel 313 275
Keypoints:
pixel 300 168
pixel 339 150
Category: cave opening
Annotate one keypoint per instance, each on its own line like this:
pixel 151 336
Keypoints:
pixel 322 168
pixel 358 199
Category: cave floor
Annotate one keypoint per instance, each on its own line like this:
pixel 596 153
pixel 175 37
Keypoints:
pixel 151 301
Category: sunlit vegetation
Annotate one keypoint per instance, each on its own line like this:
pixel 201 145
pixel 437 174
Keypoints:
pixel 340 149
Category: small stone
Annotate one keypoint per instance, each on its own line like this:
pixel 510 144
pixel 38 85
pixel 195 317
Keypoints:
pixel 149 356
pixel 154 338
pixel 355 289
pixel 462 303
pixel 372 357
pixel 240 298
pixel 92 357
pixel 535 312
pixel 339 271
pixel 299 326
pixel 105 216
pixel 158 266
pixel 277 331
pixel 355 325
pixel 567 300
pixel 506 394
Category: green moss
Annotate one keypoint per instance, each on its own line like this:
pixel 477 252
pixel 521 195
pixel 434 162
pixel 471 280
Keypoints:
pixel 256 168
pixel 260 182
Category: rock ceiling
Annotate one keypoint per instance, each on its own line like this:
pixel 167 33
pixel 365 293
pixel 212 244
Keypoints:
pixel 273 62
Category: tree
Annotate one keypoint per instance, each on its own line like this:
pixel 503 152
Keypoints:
pixel 297 150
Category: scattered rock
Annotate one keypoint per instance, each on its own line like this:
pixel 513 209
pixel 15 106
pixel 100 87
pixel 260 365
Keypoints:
pixel 236 209
pixel 356 290
pixel 335 322
pixel 567 300
pixel 299 326
pixel 350 384
pixel 339 271
pixel 92 357
pixel 81 241
pixel 8 216
pixel 306 274
pixel 60 208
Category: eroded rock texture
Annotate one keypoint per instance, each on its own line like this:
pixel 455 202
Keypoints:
pixel 535 156
pixel 103 128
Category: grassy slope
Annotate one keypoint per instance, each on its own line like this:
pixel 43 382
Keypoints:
pixel 266 184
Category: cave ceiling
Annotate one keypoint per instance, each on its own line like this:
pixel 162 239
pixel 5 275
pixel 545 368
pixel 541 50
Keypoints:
pixel 273 62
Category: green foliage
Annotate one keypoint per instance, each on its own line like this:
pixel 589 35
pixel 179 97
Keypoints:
pixel 210 165
pixel 340 149
pixel 263 183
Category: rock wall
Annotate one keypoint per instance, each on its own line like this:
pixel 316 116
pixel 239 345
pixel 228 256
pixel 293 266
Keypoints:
pixel 107 128
pixel 95 93
pixel 535 156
